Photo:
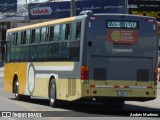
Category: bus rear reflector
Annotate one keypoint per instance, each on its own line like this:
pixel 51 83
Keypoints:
pixel 155 74
pixel 149 87
pixel 117 86
pixel 126 86
pixel 84 72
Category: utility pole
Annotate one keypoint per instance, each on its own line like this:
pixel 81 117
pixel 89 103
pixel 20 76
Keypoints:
pixel 73 8
pixel 126 5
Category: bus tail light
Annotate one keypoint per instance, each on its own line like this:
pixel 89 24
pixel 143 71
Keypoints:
pixel 155 74
pixel 84 72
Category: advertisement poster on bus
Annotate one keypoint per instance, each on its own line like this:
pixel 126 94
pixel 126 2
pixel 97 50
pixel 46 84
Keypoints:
pixel 49 10
pixel 122 35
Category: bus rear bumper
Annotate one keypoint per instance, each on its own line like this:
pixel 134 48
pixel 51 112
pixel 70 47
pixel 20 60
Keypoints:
pixel 122 94
pixel 117 99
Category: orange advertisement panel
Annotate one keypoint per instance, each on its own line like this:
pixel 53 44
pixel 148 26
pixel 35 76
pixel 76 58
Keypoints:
pixel 122 35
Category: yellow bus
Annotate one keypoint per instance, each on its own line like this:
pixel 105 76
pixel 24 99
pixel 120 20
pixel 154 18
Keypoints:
pixel 108 57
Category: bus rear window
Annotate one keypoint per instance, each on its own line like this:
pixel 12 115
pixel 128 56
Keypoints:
pixel 122 24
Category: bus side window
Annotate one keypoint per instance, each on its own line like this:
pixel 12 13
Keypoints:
pixel 13 39
pixel 33 36
pixel 78 30
pixel 37 35
pixel 19 38
pixel 44 34
pixel 56 32
pixel 51 29
pixel 24 37
pixel 62 31
pixel 67 31
pixel 28 35
pixel 73 31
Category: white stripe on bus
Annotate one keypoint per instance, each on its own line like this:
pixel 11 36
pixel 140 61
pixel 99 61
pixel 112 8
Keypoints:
pixel 139 87
pixel 55 68
pixel 106 86
pixel 46 75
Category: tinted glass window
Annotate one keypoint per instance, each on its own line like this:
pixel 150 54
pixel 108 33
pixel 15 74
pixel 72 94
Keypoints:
pixel 51 38
pixel 11 55
pixel 37 35
pixel 28 34
pixel 15 38
pixel 67 31
pixel 19 38
pixel 73 31
pixel 78 30
pixel 34 52
pixel 25 53
pixel 33 36
pixel 24 37
pixel 61 49
pixel 57 32
pixel 43 50
pixel 44 34
pixel 53 51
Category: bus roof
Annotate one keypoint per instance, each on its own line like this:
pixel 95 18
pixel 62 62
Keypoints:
pixel 118 14
pixel 64 20
pixel 48 23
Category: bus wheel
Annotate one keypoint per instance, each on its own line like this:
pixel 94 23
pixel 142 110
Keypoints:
pixel 16 89
pixel 52 93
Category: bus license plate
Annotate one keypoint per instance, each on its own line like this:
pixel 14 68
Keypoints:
pixel 122 93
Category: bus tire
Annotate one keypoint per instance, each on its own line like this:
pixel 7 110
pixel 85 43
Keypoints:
pixel 16 89
pixel 52 93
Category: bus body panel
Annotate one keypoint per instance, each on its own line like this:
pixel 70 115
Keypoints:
pixel 121 67
pixel 38 74
pixel 15 69
pixel 65 74
pixel 36 83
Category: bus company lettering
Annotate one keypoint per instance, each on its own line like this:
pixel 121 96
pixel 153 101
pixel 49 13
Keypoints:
pixel 122 50
pixel 41 11
pixel 147 13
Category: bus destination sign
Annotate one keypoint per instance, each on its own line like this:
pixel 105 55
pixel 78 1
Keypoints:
pixel 122 24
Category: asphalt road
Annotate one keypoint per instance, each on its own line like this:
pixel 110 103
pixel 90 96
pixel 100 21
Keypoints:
pixel 85 110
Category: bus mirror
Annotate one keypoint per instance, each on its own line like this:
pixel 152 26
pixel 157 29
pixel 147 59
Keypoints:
pixel 7 41
pixel 3 42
